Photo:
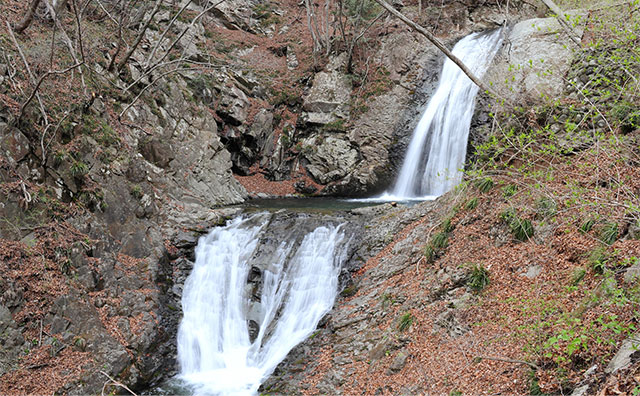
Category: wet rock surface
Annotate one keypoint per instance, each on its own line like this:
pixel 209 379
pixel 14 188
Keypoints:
pixel 354 331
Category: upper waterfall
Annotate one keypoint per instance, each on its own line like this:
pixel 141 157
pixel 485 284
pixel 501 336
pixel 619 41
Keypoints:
pixel 436 153
pixel 219 352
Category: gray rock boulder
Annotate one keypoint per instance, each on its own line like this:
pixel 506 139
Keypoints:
pixel 623 358
pixel 11 340
pixel 234 105
pixel 329 157
pixel 328 99
pixel 157 152
pixel 535 57
pixel 200 173
pixel 382 132
pixel 235 14
pixel 14 145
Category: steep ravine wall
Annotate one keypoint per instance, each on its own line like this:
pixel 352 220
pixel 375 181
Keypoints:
pixel 152 191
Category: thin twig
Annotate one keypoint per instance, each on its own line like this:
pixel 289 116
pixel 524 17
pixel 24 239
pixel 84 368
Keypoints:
pixel 11 71
pixel 78 28
pixel 147 87
pixel 37 366
pixel 184 31
pixel 435 41
pixel 114 382
pixel 106 12
pixel 561 17
pixel 53 135
pixel 40 81
pixel 67 41
pixel 144 28
pixel 159 41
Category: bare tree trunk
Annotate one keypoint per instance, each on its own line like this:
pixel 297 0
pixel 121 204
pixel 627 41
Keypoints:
pixel 310 16
pixel 58 5
pixel 68 42
pixel 112 62
pixel 124 60
pixel 434 40
pixel 563 21
pixel 31 75
pixel 356 37
pixel 26 21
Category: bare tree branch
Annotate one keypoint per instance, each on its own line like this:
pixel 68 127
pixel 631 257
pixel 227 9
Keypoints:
pixel 185 30
pixel 114 382
pixel 169 63
pixel 67 41
pixel 41 80
pixel 112 62
pixel 44 147
pixel 144 28
pixel 106 12
pixel 32 77
pixel 162 36
pixel 562 18
pixel 161 76
pixel 78 29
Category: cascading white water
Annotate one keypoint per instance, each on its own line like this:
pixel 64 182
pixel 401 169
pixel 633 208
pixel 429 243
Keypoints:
pixel 443 129
pixel 214 348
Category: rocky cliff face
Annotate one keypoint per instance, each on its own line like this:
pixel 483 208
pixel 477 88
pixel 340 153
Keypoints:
pixel 101 221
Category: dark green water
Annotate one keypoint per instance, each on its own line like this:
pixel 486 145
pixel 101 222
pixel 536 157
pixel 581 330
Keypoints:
pixel 312 205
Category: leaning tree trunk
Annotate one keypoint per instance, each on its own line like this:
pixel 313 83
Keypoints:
pixel 28 17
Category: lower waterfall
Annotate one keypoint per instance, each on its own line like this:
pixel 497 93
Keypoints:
pixel 436 153
pixel 216 352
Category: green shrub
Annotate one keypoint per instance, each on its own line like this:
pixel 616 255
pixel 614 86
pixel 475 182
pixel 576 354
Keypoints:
pixel 484 185
pixel 440 240
pixel 59 156
pixel 587 225
pixel 338 125
pixel 447 226
pixel 136 191
pixel 79 169
pixel 509 190
pixel 387 299
pixel 471 204
pixel 429 253
pixel 577 275
pixel 405 321
pixel 598 259
pixel 609 233
pixel 522 229
pixel 546 207
pixel 478 277
pixel 626 116
pixel 534 387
